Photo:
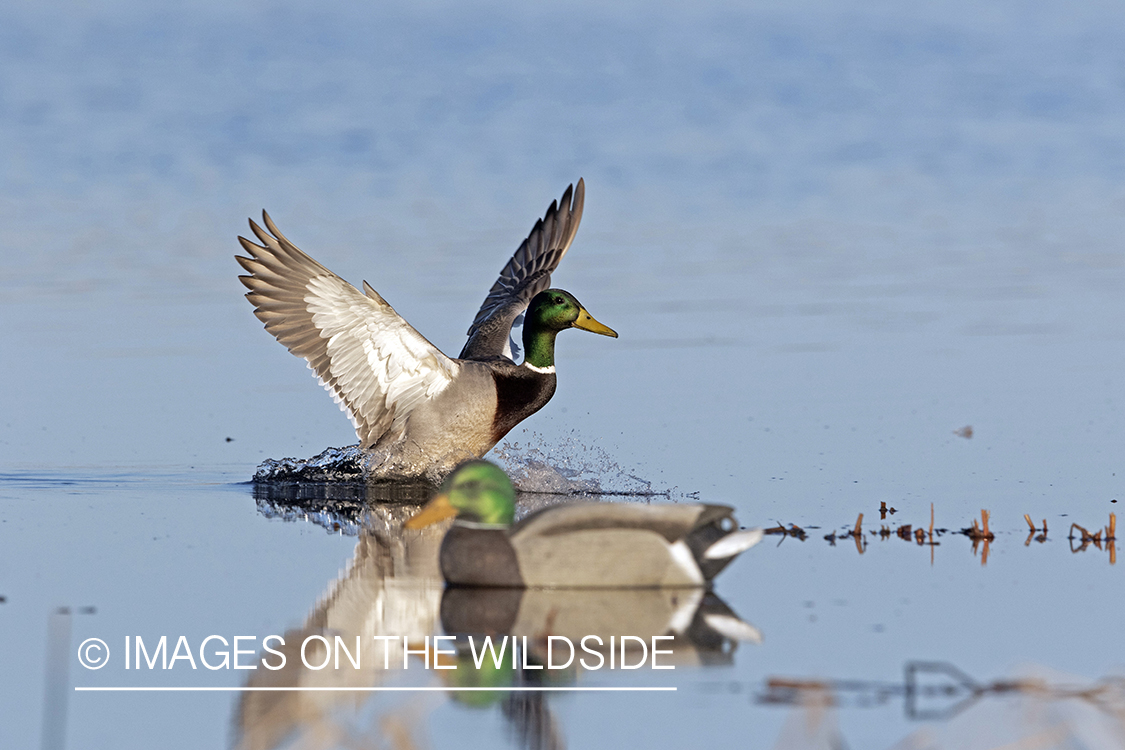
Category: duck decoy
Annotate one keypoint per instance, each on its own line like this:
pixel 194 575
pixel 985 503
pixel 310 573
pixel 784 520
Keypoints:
pixel 579 544
pixel 414 407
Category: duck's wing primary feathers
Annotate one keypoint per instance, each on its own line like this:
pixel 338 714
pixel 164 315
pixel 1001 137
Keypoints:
pixel 525 275
pixel 374 363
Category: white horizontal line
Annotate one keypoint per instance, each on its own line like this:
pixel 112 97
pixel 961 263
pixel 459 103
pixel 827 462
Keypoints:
pixel 373 689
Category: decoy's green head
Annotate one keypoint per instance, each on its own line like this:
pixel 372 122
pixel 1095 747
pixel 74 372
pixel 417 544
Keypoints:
pixel 556 310
pixel 478 491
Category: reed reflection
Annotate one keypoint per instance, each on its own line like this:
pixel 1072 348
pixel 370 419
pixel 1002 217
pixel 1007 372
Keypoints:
pixel 1038 709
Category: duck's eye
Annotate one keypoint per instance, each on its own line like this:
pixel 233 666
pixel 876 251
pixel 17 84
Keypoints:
pixel 558 300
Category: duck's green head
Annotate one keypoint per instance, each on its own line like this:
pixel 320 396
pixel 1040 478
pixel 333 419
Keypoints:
pixel 477 491
pixel 556 309
pixel 550 312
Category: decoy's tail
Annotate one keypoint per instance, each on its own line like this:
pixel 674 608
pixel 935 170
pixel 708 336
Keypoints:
pixel 733 544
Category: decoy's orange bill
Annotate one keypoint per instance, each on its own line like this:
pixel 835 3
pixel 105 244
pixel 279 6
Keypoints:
pixel 436 510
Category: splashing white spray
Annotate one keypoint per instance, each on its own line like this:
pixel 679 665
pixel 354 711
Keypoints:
pixel 571 466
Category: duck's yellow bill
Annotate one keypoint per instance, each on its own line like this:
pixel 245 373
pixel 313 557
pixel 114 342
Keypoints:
pixel 436 510
pixel 587 323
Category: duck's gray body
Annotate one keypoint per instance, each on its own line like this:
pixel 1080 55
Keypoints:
pixel 479 408
pixel 592 545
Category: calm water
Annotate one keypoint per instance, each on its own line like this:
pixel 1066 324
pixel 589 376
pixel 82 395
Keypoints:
pixel 829 239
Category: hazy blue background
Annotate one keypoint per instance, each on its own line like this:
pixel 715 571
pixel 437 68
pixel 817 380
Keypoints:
pixel 828 234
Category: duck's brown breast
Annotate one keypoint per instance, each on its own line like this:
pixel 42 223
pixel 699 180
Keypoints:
pixel 520 392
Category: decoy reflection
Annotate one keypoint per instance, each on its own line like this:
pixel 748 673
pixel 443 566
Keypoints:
pixel 392 596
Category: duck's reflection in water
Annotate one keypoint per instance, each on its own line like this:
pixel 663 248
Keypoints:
pixel 391 587
pixel 392 597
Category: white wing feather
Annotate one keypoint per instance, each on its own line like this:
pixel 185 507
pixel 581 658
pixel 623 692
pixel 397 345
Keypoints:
pixel 374 363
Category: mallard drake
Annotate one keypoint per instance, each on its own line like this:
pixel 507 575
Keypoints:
pixel 575 544
pixel 413 406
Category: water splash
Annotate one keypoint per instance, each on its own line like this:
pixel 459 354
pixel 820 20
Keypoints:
pixel 330 465
pixel 567 468
pixel 354 464
pixel 572 466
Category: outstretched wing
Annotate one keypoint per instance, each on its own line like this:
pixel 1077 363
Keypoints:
pixel 375 365
pixel 525 275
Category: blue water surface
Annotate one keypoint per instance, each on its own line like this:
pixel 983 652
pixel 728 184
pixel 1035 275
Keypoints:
pixel 829 235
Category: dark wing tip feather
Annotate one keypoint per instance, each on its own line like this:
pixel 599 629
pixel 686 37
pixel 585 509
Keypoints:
pixel 249 246
pixel 261 234
pixel 274 230
pixel 526 273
